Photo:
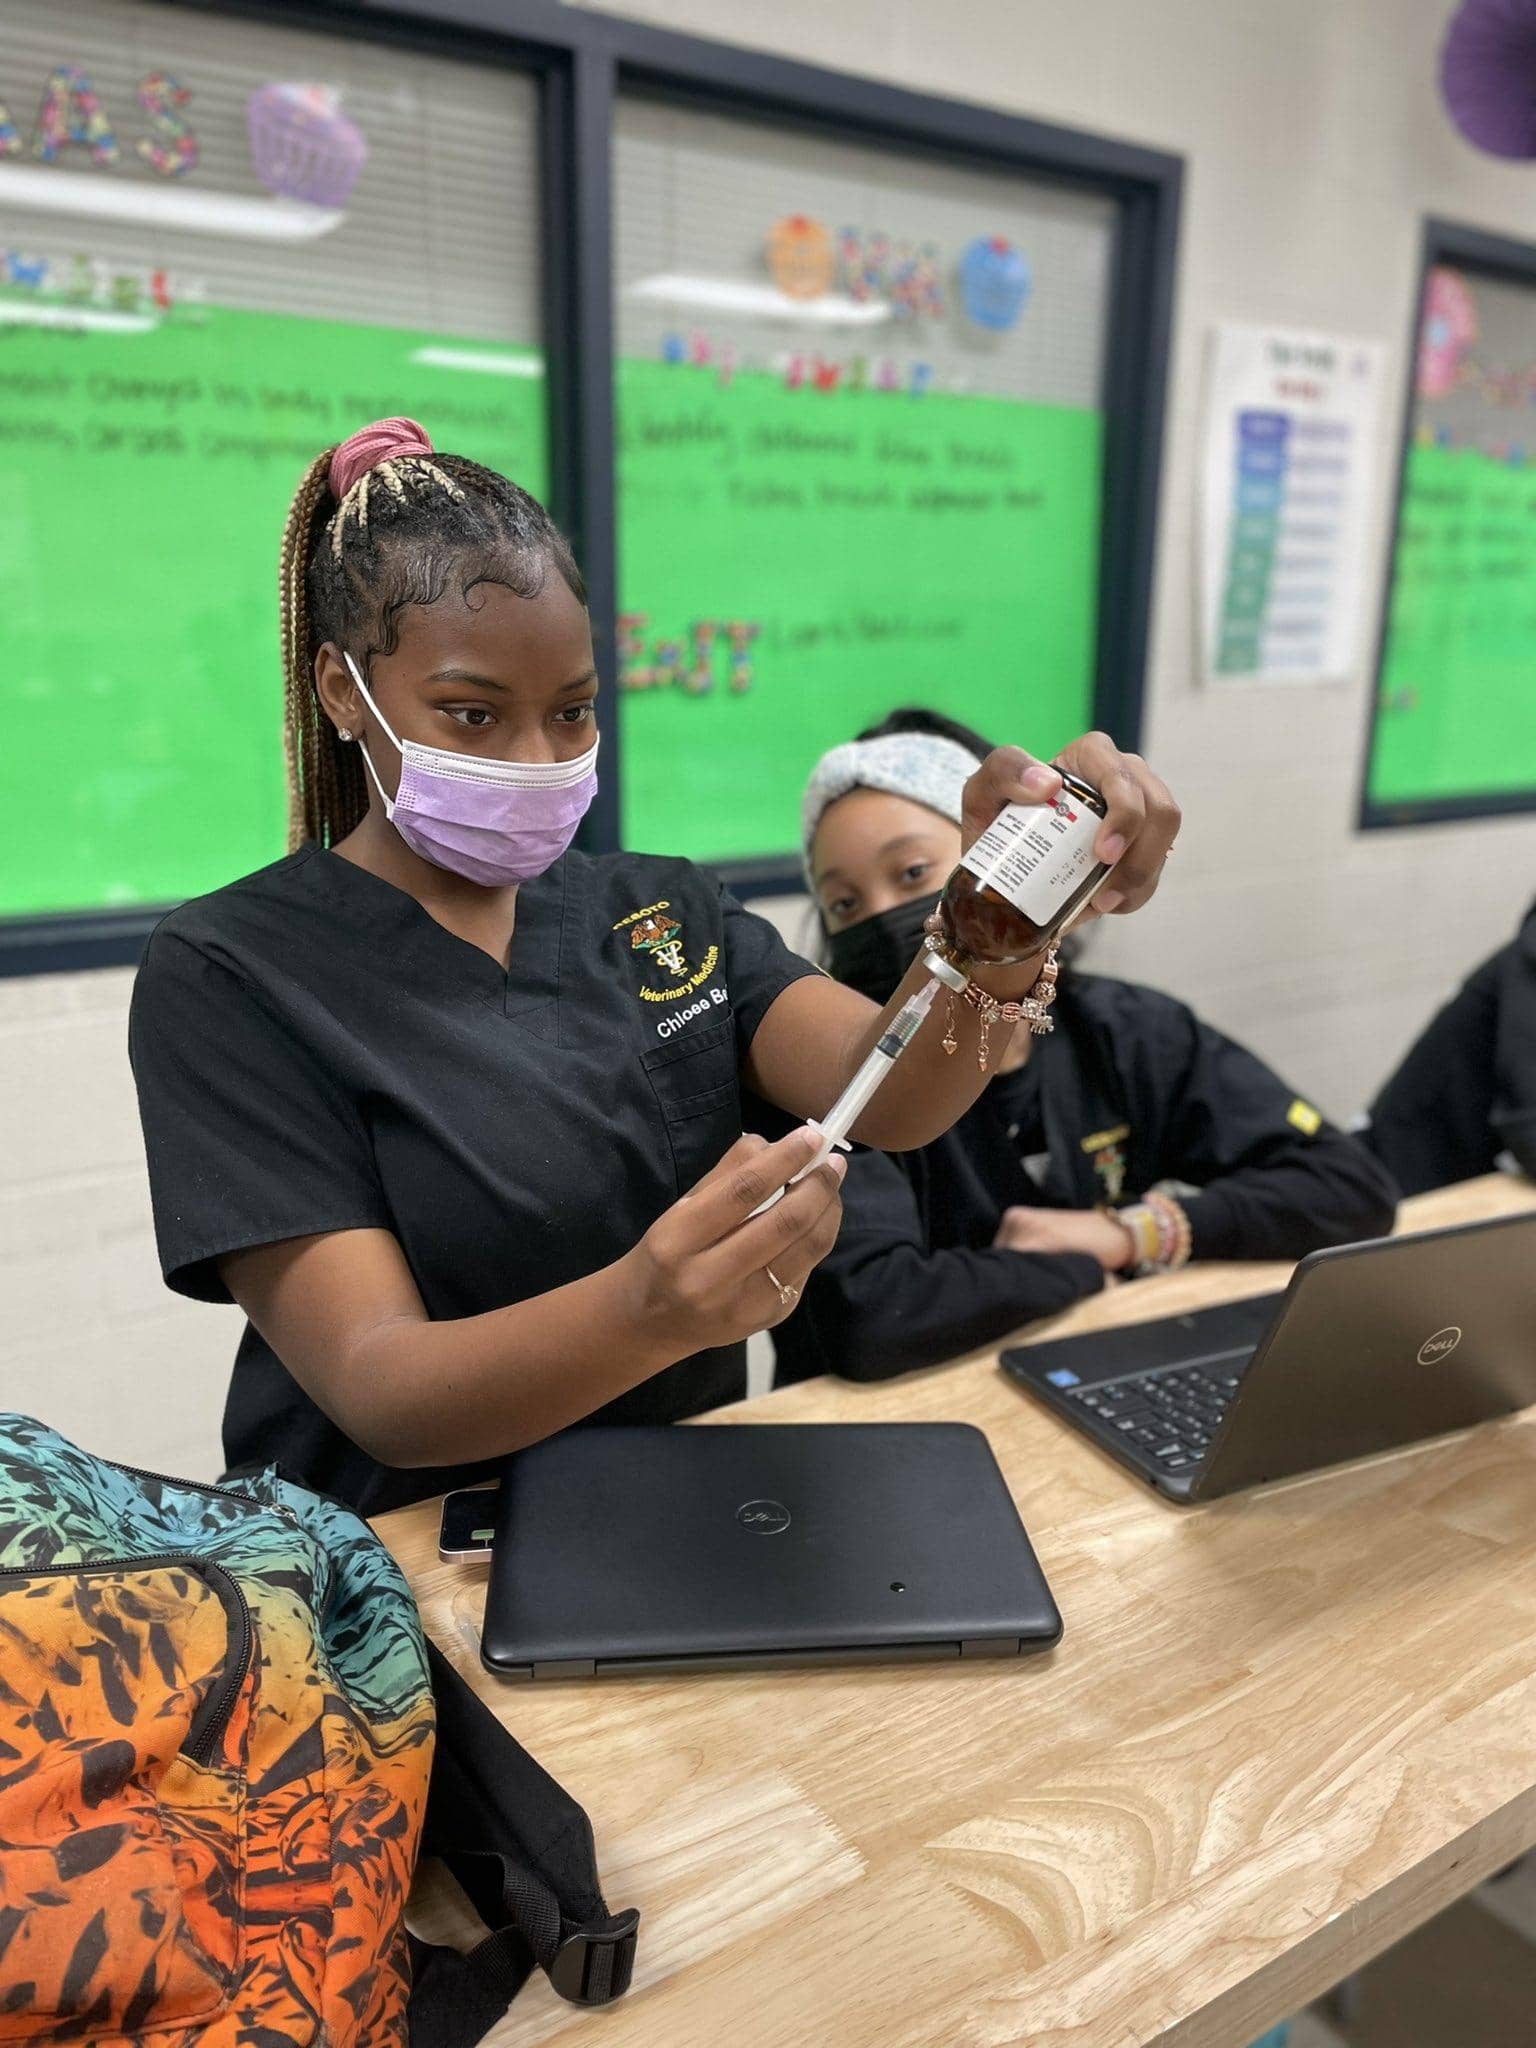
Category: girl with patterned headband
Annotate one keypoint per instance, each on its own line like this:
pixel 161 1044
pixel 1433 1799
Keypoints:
pixel 1060 1172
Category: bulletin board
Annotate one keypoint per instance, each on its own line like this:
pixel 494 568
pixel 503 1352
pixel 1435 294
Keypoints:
pixel 886 492
pixel 1453 725
pixel 177 343
pixel 147 480
pixel 948 561
pixel 914 462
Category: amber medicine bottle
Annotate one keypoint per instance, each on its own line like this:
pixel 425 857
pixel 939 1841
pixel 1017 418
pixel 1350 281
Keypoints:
pixel 1026 877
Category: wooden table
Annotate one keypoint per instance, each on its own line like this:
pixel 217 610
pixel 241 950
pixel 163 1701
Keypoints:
pixel 1279 1733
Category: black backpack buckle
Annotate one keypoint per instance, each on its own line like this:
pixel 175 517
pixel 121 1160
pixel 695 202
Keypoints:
pixel 594 1965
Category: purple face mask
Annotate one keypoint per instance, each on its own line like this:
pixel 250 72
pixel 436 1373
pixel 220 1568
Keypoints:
pixel 494 822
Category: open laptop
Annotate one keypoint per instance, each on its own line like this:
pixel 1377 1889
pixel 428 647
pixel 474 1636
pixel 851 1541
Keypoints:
pixel 1371 1346
pixel 697 1549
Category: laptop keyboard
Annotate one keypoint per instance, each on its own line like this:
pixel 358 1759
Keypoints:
pixel 1171 1416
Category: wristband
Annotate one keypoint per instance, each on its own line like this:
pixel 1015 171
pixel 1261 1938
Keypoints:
pixel 1160 1231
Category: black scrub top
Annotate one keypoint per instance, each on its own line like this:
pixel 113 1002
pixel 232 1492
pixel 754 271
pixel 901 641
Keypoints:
pixel 314 1052
pixel 1466 1090
pixel 1130 1090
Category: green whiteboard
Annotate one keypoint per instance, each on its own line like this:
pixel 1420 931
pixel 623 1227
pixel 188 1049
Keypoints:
pixel 144 480
pixel 1453 729
pixel 887 549
pixel 941 550
pixel 860 458
pixel 843 480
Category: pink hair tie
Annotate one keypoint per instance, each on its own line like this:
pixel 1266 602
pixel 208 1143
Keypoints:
pixel 384 441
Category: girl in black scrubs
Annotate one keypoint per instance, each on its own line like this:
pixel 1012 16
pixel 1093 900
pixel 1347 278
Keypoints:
pixel 452 1112
pixel 1012 1214
pixel 1465 1092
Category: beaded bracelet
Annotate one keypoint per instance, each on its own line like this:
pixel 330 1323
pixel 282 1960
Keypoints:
pixel 1138 1220
pixel 1174 1230
pixel 1159 1228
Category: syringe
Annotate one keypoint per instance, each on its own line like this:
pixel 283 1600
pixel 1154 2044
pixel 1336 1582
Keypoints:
pixel 889 1047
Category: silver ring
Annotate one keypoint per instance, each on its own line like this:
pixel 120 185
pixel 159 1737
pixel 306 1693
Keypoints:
pixel 788 1296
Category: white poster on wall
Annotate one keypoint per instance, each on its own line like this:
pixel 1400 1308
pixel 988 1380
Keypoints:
pixel 1289 430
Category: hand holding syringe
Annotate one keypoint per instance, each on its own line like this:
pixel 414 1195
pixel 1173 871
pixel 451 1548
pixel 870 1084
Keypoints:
pixel 892 1043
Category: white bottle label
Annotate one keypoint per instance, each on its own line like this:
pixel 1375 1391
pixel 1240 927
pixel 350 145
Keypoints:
pixel 1037 855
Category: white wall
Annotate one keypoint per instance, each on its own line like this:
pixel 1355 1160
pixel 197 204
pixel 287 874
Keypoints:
pixel 89 1339
pixel 1314 142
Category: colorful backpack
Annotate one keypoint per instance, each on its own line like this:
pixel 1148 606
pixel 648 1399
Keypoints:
pixel 217 1770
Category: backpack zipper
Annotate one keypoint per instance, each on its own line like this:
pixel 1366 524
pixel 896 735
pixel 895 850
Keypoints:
pixel 209 1492
pixel 250 1500
pixel 209 1722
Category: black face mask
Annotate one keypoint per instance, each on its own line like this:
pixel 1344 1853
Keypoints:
pixel 873 956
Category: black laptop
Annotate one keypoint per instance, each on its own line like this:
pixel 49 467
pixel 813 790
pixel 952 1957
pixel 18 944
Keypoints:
pixel 658 1550
pixel 1370 1347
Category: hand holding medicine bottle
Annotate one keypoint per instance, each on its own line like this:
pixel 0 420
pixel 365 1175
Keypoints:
pixel 1044 845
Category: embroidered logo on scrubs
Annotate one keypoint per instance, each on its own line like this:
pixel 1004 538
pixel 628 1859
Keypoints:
pixel 1107 1151
pixel 1306 1119
pixel 655 935
pixel 662 937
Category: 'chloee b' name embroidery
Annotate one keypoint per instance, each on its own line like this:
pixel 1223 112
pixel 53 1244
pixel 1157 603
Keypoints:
pixel 676 1019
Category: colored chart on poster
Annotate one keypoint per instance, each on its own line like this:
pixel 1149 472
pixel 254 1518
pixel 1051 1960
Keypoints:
pixel 795 563
pixel 144 479
pixel 1289 437
pixel 1455 712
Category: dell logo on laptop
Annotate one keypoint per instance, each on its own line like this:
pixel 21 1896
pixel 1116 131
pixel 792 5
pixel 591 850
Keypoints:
pixel 1441 1345
pixel 763 1517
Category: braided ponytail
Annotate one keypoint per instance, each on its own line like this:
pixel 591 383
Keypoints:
pixel 327 795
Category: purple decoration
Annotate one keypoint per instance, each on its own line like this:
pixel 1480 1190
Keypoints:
pixel 302 145
pixel 1488 75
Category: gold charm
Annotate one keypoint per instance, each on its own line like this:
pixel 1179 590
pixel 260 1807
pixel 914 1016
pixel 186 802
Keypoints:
pixel 949 1041
pixel 1042 995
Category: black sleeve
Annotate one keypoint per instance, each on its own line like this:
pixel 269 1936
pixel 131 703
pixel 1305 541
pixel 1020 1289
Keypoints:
pixel 884 1302
pixel 1276 1179
pixel 1514 1108
pixel 1431 1123
pixel 758 968
pixel 247 1141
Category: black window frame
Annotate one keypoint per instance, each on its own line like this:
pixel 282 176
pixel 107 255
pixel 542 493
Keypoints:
pixel 1509 262
pixel 581 60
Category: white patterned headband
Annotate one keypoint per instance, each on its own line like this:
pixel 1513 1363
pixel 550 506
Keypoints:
pixel 919 765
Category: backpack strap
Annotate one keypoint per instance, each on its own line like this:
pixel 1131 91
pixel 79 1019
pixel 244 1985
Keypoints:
pixel 521 1850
